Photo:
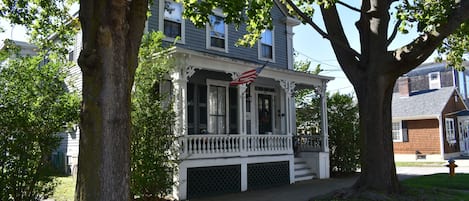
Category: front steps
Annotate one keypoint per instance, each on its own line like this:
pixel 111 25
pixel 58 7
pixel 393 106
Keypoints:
pixel 302 170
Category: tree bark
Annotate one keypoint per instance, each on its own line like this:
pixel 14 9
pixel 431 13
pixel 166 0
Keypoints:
pixel 112 32
pixel 378 171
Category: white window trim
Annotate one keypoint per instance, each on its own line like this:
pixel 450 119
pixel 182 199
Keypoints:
pixel 259 49
pixel 182 39
pixel 208 45
pixel 401 139
pixel 225 84
pixel 435 83
pixel 450 137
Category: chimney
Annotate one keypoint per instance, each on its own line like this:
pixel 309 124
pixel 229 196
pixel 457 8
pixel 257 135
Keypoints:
pixel 404 86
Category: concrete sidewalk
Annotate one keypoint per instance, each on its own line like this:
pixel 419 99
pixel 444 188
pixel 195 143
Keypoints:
pixel 304 191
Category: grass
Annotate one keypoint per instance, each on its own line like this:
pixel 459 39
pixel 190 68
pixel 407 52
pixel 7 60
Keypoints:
pixel 420 164
pixel 434 187
pixel 65 189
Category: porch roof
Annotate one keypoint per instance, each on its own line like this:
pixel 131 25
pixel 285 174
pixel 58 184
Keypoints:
pixel 201 60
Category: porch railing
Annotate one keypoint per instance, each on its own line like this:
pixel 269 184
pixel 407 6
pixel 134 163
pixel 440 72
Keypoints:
pixel 307 143
pixel 213 146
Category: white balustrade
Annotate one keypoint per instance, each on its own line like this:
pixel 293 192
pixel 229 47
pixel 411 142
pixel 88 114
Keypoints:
pixel 212 146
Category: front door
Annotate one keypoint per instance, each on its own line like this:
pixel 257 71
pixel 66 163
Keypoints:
pixel 464 137
pixel 265 113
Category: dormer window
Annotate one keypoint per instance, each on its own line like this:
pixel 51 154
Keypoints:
pixel 217 33
pixel 434 80
pixel 171 22
pixel 266 45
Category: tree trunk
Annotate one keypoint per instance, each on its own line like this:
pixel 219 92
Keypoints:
pixel 378 171
pixel 112 32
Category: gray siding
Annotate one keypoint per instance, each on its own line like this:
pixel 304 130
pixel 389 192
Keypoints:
pixel 195 39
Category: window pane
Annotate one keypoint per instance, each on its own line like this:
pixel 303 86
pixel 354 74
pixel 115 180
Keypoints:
pixel 266 37
pixel 173 11
pixel 266 51
pixel 217 26
pixel 172 29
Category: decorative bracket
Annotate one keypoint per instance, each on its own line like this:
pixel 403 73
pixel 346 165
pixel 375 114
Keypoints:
pixel 287 86
pixel 190 70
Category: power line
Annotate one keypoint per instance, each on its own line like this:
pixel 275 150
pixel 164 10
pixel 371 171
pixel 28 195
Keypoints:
pixel 320 62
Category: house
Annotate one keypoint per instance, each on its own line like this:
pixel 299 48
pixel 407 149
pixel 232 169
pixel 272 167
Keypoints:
pixel 242 137
pixel 238 138
pixel 429 114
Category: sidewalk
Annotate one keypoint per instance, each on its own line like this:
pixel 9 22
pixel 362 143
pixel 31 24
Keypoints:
pixel 304 191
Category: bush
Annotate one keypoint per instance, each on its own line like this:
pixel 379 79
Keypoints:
pixel 153 154
pixel 34 106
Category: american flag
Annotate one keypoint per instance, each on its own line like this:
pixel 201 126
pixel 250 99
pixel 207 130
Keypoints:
pixel 248 76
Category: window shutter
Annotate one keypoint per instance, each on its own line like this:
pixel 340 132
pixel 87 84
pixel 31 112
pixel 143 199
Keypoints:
pixel 405 135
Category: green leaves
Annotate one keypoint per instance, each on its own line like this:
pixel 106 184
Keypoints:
pixel 35 105
pixel 153 154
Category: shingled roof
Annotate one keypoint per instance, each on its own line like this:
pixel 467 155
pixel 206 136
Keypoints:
pixel 421 104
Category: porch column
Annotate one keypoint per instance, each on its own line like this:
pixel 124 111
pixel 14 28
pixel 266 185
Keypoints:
pixel 324 124
pixel 288 87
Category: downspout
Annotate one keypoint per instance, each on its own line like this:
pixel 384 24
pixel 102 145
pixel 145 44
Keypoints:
pixel 442 139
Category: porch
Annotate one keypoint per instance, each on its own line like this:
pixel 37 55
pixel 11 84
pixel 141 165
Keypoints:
pixel 236 138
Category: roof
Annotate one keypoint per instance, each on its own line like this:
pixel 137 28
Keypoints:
pixel 425 69
pixel 421 104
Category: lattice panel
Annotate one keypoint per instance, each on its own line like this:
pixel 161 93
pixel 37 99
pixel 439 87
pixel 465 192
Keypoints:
pixel 207 181
pixel 265 175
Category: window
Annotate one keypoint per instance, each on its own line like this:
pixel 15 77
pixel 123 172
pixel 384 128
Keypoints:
pixel 397 131
pixel 266 45
pixel 212 108
pixel 217 33
pixel 450 133
pixel 171 22
pixel 434 80
pixel 461 84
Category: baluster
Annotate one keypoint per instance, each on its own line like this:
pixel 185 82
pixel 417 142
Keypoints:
pixel 189 146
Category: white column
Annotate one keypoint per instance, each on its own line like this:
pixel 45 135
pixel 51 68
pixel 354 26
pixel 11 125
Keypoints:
pixel 324 124
pixel 288 87
pixel 244 176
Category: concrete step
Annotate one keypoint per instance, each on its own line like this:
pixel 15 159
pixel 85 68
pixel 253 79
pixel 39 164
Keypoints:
pixel 302 170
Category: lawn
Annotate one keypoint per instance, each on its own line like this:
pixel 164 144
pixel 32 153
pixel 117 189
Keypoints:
pixel 65 189
pixel 431 187
pixel 420 164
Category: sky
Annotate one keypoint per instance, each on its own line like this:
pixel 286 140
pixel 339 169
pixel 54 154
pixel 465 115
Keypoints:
pixel 307 43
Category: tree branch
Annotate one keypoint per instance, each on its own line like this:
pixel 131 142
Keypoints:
pixel 347 59
pixel 349 6
pixel 417 51
pixel 320 31
pixel 394 32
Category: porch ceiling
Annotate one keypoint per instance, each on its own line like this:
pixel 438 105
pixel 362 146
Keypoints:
pixel 207 61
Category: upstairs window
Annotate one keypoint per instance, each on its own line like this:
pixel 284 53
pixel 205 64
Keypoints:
pixel 172 19
pixel 266 45
pixel 217 33
pixel 434 80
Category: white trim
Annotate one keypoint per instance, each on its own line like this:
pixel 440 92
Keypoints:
pixel 182 39
pixel 218 63
pixel 442 142
pixel 434 84
pixel 450 133
pixel 208 45
pixel 401 137
pixel 259 48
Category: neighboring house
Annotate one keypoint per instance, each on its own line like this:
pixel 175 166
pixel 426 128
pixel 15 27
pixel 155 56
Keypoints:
pixel 429 114
pixel 237 138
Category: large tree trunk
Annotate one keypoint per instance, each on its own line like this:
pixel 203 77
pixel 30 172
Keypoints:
pixel 377 159
pixel 112 32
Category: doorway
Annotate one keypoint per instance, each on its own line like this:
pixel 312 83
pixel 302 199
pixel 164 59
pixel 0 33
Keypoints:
pixel 265 117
